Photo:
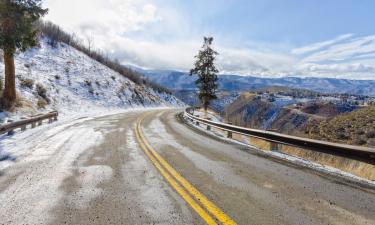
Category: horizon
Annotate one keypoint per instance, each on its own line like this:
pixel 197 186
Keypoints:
pixel 263 38
pixel 248 75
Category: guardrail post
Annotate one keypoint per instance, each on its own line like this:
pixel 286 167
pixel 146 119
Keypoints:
pixel 197 122
pixel 33 125
pixel 40 122
pixel 23 128
pixel 275 147
pixel 229 133
pixel 55 118
pixel 208 126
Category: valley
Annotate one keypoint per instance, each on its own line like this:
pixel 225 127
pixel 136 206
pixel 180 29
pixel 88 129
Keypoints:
pixel 297 112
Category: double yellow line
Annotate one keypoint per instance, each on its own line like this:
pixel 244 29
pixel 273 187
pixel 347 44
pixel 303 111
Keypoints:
pixel 204 207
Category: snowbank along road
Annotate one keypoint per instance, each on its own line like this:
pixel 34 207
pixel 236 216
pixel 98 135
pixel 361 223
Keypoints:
pixel 147 167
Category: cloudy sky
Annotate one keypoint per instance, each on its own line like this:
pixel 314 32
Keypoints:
pixel 269 38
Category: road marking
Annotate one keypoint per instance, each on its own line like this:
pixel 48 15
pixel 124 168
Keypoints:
pixel 207 204
pixel 202 213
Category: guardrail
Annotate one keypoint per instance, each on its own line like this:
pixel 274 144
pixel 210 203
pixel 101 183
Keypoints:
pixel 33 121
pixel 359 153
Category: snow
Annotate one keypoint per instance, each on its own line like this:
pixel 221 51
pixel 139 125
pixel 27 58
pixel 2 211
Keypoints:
pixel 77 85
pixel 62 149
pixel 25 144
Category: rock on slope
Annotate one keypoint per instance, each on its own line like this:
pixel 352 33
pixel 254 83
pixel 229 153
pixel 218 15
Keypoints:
pixel 71 82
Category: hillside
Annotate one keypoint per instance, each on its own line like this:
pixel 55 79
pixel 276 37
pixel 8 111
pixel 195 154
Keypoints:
pixel 64 79
pixel 357 127
pixel 190 97
pixel 283 114
pixel 178 80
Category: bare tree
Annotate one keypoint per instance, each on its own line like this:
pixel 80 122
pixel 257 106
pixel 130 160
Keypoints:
pixel 90 42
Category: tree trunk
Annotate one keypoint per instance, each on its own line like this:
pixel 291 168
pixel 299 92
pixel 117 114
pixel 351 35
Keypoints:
pixel 9 94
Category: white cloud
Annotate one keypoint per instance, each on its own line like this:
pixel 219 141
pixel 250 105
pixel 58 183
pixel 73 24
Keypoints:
pixel 320 45
pixel 349 50
pixel 143 33
pixel 109 16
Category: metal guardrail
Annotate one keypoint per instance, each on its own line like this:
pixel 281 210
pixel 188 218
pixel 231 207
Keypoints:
pixel 34 121
pixel 359 153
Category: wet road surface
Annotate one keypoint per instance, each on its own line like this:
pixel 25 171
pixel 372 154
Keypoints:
pixel 99 171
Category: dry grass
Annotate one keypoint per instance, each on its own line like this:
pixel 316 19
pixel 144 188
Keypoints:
pixel 351 166
pixel 356 128
pixel 357 168
pixel 26 82
pixel 22 105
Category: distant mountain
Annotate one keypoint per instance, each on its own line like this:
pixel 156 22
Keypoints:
pixel 181 81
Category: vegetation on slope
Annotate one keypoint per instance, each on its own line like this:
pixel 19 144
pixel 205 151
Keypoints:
pixel 56 34
pixel 356 127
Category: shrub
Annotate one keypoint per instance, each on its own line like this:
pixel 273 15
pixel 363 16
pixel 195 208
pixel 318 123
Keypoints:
pixel 29 83
pixel 57 77
pixel 113 77
pixel 358 140
pixel 56 34
pixel 88 83
pixel 371 142
pixel 41 103
pixel 360 132
pixel 370 134
pixel 42 92
pixel 97 83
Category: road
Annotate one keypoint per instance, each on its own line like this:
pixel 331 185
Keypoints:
pixel 147 167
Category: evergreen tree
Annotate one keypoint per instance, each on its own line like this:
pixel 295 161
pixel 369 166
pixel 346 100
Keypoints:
pixel 16 33
pixel 206 71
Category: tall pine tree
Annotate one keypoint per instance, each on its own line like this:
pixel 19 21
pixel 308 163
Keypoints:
pixel 16 33
pixel 206 71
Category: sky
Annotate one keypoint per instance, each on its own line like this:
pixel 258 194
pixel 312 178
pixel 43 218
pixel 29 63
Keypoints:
pixel 266 38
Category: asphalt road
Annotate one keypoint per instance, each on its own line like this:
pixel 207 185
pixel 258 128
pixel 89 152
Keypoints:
pixel 147 167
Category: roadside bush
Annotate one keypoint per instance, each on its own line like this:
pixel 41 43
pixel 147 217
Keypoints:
pixel 358 140
pixel 57 77
pixel 42 92
pixel 371 142
pixel 25 82
pixel 370 134
pixel 41 104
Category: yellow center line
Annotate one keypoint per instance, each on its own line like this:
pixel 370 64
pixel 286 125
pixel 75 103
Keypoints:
pixel 211 207
pixel 201 212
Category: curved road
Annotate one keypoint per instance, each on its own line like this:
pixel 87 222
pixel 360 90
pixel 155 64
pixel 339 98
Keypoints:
pixel 104 171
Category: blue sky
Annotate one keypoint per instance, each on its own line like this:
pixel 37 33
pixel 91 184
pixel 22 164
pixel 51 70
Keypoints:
pixel 269 38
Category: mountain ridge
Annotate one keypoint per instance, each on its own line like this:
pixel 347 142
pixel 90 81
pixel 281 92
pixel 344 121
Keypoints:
pixel 179 80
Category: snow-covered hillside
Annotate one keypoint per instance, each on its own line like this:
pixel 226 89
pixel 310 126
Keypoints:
pixel 76 84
